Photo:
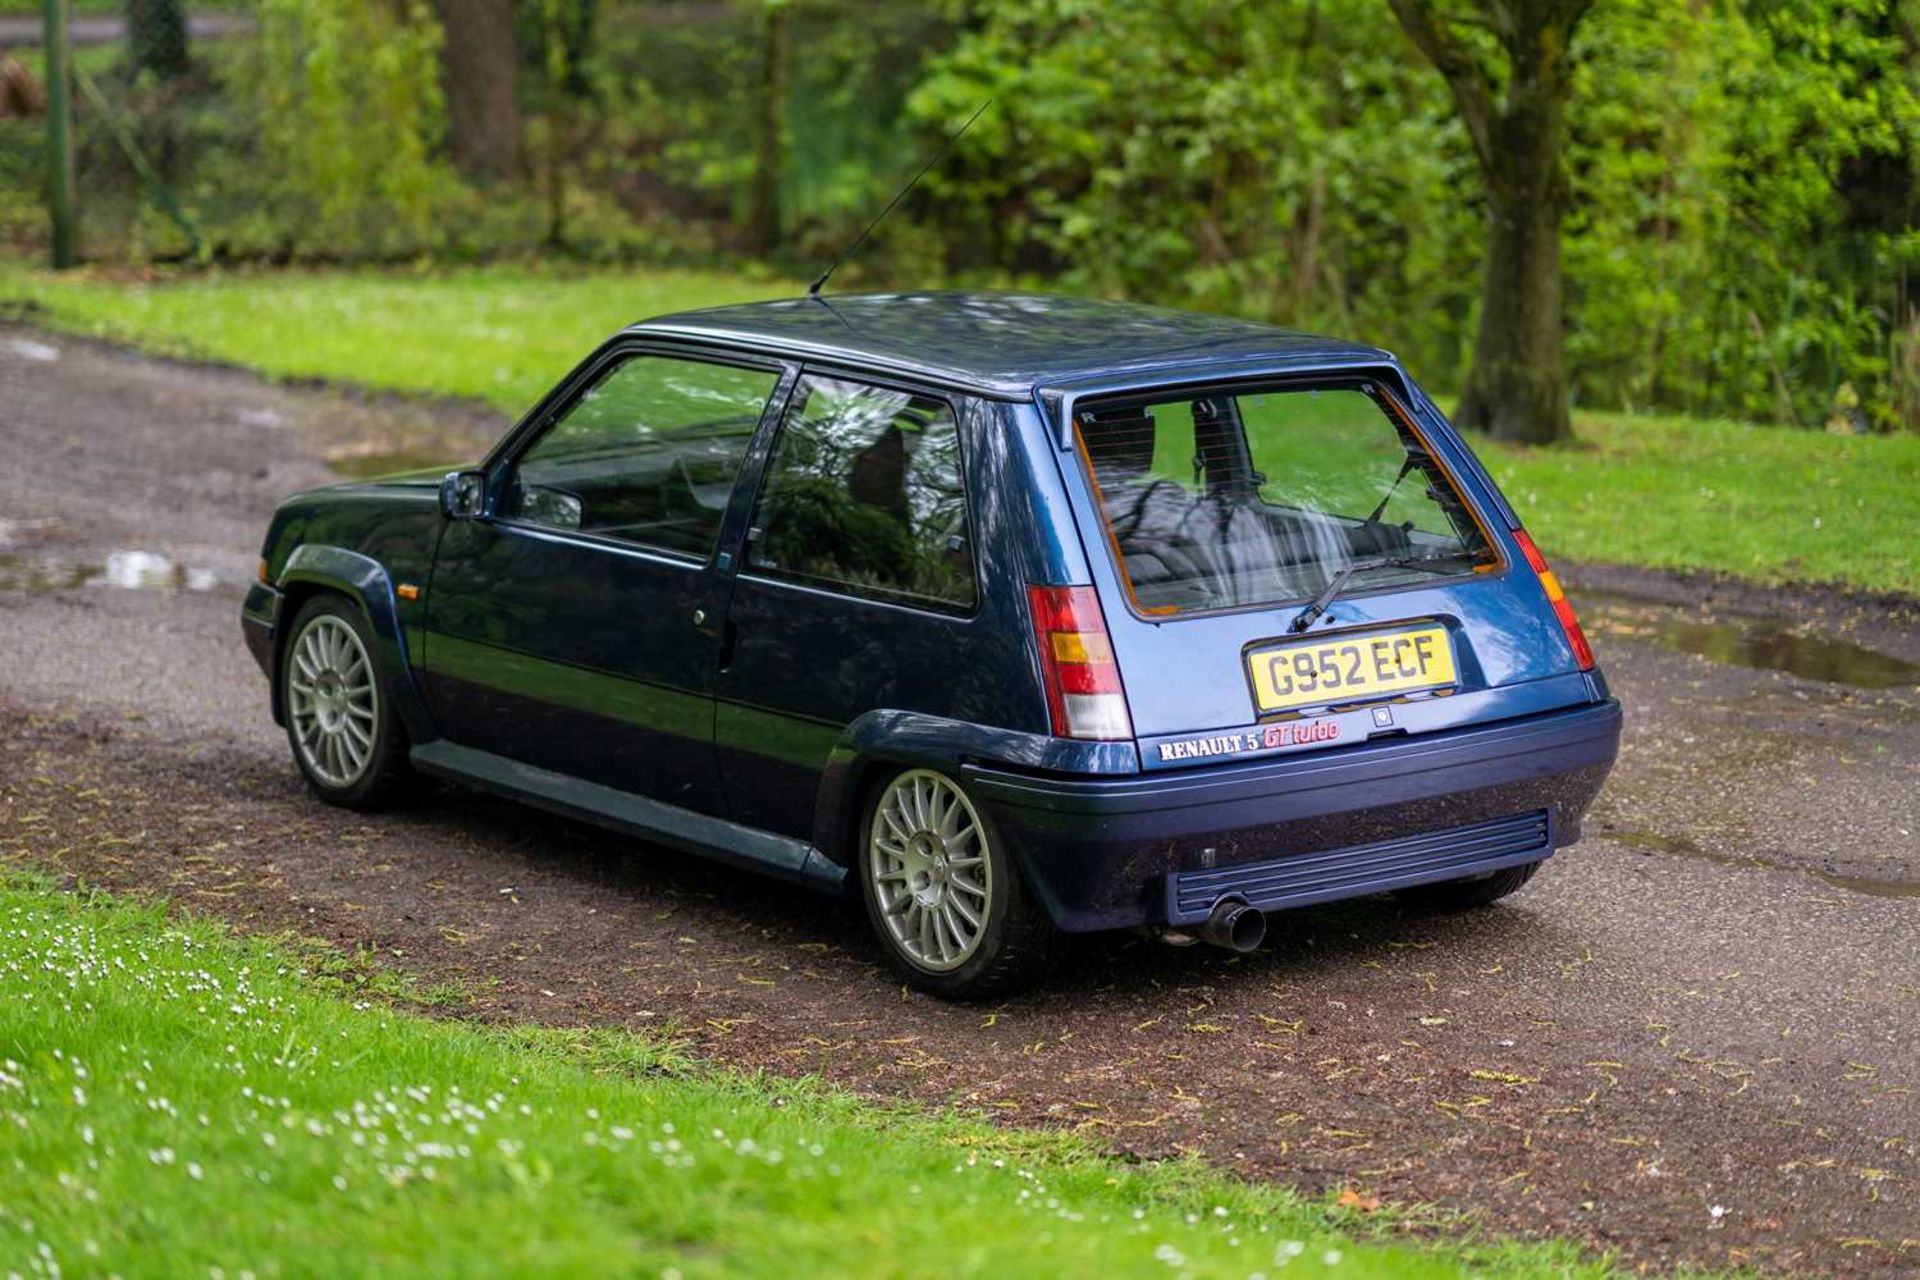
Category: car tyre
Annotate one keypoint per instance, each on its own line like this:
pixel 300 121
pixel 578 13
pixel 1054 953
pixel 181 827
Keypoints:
pixel 1465 895
pixel 346 738
pixel 950 909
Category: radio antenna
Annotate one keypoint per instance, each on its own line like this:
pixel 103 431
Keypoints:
pixel 813 290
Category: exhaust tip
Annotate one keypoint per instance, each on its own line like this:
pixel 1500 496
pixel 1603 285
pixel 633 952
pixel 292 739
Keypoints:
pixel 1235 926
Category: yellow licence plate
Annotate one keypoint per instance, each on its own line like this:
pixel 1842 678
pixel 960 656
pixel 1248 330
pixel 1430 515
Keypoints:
pixel 1349 668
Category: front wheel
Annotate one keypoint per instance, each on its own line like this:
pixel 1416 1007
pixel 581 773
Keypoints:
pixel 345 737
pixel 950 909
pixel 1465 895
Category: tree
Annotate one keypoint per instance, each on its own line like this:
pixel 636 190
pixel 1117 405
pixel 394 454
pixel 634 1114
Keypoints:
pixel 477 68
pixel 763 226
pixel 1511 91
pixel 156 38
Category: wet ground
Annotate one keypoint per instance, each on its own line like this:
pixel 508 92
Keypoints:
pixel 1783 641
pixel 1691 1038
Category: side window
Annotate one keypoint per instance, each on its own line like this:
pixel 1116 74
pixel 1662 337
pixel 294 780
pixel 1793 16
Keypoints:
pixel 647 455
pixel 863 493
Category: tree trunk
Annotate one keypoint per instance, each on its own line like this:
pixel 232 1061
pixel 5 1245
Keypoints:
pixel 559 130
pixel 477 68
pixel 156 38
pixel 1518 387
pixel 763 228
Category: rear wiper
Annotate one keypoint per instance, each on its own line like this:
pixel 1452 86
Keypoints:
pixel 1318 605
pixel 1331 592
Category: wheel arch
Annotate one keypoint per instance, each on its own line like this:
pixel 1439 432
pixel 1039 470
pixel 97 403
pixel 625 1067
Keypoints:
pixel 882 742
pixel 316 570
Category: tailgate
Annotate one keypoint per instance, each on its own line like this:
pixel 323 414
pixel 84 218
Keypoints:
pixel 1299 563
pixel 1201 690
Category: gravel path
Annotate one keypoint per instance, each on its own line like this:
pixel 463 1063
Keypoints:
pixel 1692 1038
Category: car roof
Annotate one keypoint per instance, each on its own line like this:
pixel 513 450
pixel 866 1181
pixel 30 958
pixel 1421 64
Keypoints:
pixel 1004 344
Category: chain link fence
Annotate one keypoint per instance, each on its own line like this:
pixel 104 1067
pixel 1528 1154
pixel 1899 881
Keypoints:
pixel 382 130
pixel 147 110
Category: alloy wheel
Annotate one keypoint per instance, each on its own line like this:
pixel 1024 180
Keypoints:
pixel 929 870
pixel 331 701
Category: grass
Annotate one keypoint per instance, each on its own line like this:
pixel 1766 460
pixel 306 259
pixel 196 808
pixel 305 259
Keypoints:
pixel 503 335
pixel 175 1100
pixel 1768 504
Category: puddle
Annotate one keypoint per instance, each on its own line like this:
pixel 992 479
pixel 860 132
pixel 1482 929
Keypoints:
pixel 356 464
pixel 1682 847
pixel 1746 641
pixel 137 569
pixel 128 570
pixel 38 352
pixel 264 419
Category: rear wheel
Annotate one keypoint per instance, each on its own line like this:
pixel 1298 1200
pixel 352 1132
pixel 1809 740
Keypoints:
pixel 950 909
pixel 1465 895
pixel 350 747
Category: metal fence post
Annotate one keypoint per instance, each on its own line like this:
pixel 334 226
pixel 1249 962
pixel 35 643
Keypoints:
pixel 60 189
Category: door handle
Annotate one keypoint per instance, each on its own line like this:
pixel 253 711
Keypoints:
pixel 699 617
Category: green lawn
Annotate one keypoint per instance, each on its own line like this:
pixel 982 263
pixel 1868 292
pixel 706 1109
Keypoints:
pixel 1771 504
pixel 1768 504
pixel 175 1101
pixel 498 334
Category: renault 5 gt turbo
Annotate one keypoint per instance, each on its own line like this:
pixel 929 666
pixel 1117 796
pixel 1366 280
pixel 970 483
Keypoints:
pixel 1014 617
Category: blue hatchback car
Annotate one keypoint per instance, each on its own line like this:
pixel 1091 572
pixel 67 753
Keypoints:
pixel 1013 616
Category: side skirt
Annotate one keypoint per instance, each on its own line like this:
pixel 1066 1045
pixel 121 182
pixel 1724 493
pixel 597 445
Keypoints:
pixel 697 833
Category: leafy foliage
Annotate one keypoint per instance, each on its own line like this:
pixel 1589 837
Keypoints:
pixel 1745 197
pixel 1741 240
pixel 350 105
pixel 1286 161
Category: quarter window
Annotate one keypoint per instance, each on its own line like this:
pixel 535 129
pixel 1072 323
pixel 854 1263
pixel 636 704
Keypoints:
pixel 647 455
pixel 863 493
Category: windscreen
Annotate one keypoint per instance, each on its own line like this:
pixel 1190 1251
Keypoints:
pixel 1230 498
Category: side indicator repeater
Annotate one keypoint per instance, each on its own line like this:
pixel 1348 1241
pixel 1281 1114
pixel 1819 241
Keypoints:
pixel 407 591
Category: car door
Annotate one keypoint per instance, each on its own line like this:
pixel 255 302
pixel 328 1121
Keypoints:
pixel 576 625
pixel 856 589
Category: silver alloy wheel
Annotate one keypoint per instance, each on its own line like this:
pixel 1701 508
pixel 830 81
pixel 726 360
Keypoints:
pixel 928 867
pixel 331 700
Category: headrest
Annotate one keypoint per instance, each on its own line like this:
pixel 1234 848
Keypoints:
pixel 1118 441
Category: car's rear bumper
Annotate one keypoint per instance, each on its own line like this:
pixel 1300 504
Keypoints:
pixel 1162 848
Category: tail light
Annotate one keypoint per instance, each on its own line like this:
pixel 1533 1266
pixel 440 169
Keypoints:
pixel 1562 607
pixel 1084 699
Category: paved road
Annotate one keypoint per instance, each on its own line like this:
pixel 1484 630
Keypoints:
pixel 1692 1038
pixel 21 30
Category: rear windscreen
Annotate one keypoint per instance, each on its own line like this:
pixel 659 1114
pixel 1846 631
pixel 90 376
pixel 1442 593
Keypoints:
pixel 1264 495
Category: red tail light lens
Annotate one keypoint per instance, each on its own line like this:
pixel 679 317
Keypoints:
pixel 1562 607
pixel 1084 699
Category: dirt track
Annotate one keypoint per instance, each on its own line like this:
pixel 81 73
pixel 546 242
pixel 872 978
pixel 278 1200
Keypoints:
pixel 1661 1046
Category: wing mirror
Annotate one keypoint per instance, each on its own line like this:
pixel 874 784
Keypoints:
pixel 463 495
